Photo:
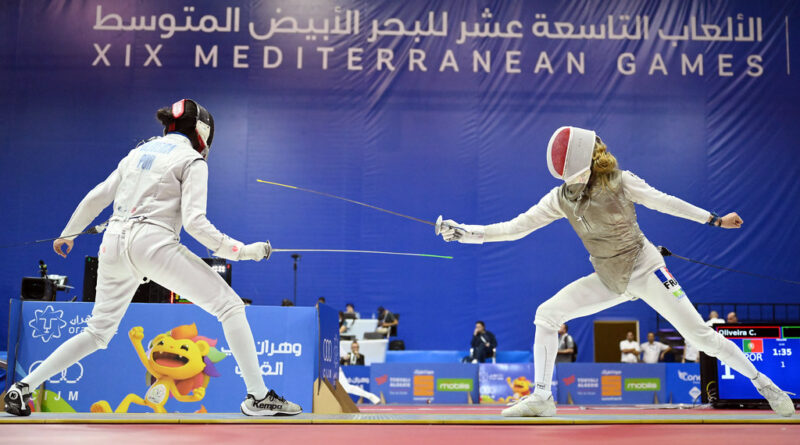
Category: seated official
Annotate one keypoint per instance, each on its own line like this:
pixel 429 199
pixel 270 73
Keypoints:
pixel 350 309
pixel 483 344
pixel 387 322
pixel 353 357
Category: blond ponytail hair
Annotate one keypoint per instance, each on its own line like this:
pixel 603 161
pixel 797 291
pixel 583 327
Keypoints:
pixel 604 164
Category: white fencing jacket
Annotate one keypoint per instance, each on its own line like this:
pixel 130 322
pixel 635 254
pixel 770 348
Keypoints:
pixel 162 182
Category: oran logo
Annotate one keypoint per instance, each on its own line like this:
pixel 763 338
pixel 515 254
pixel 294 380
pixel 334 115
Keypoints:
pixel 653 384
pixel 454 385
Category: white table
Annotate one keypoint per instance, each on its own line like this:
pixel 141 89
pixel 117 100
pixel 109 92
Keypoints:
pixel 374 351
pixel 359 326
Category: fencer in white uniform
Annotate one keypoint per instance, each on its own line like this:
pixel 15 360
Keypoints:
pixel 598 201
pixel 156 189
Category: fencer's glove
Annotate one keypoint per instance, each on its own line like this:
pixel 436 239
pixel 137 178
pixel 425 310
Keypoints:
pixel 463 233
pixel 256 251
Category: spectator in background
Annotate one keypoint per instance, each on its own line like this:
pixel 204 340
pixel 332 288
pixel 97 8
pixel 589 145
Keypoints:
pixel 320 300
pixel 349 308
pixel 713 318
pixel 353 357
pixel 387 322
pixel 566 346
pixel 690 353
pixel 482 345
pixel 342 324
pixel 653 351
pixel 732 318
pixel 286 302
pixel 629 349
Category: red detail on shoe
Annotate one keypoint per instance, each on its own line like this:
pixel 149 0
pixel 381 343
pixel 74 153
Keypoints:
pixel 235 249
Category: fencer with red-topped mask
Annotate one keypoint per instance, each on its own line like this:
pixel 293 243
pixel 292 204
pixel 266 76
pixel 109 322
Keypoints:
pixel 159 187
pixel 598 199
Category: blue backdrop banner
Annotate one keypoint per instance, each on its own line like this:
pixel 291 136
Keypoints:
pixel 357 376
pixel 611 383
pixel 424 108
pixel 287 342
pixel 425 382
pixel 683 382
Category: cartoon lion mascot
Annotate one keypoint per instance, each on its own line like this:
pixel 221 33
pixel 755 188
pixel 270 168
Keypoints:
pixel 178 363
pixel 521 387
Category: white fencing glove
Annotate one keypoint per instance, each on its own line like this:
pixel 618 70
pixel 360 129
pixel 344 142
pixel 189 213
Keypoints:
pixel 465 234
pixel 256 251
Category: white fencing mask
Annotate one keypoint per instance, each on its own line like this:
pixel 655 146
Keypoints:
pixel 569 154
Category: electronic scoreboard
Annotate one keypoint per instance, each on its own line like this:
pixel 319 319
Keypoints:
pixel 774 349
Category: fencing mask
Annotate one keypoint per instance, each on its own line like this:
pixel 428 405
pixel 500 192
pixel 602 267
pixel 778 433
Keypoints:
pixel 194 121
pixel 569 154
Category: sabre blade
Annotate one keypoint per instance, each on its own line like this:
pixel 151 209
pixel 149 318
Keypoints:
pixel 363 204
pixel 378 252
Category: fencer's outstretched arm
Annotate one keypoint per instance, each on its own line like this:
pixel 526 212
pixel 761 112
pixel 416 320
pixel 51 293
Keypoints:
pixel 92 204
pixel 642 193
pixel 538 216
pixel 194 191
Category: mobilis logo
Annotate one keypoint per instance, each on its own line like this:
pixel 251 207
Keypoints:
pixel 382 379
pixel 643 384
pixel 569 380
pixel 454 385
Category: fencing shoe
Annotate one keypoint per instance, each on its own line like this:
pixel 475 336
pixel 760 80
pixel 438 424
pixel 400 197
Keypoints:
pixel 271 405
pixel 17 398
pixel 778 400
pixel 533 405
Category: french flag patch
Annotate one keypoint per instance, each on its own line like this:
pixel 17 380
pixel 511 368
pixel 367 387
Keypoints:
pixel 669 282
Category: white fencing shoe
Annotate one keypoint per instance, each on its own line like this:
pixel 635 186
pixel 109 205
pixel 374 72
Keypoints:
pixel 778 399
pixel 271 405
pixel 533 405
pixel 16 399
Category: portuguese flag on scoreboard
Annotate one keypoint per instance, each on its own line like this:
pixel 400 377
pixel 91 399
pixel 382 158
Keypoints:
pixel 753 345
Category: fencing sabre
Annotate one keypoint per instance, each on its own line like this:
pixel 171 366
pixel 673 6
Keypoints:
pixel 91 230
pixel 437 225
pixel 272 250
pixel 666 252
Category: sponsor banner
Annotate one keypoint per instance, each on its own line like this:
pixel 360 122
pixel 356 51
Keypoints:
pixel 328 346
pixel 357 376
pixel 425 383
pixel 505 382
pixel 683 382
pixel 182 343
pixel 610 383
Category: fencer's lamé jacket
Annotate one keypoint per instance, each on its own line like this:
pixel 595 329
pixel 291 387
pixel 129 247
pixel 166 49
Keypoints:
pixel 605 220
pixel 162 182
